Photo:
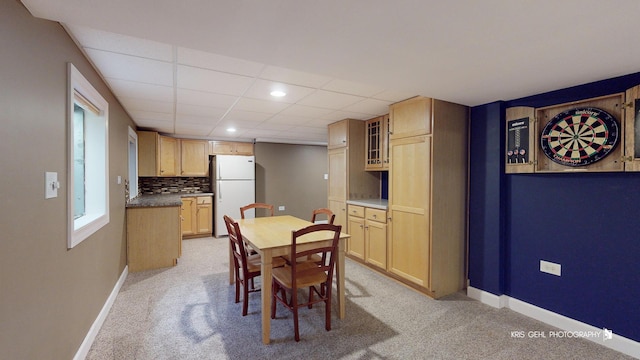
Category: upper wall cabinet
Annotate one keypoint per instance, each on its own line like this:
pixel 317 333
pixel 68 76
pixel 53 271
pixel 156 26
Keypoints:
pixel 410 117
pixel 157 155
pixel 338 135
pixel 194 157
pixel 160 155
pixel 377 144
pixel 230 148
pixel 592 135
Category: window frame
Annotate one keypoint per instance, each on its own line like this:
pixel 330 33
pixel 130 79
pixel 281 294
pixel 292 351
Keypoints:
pixel 97 206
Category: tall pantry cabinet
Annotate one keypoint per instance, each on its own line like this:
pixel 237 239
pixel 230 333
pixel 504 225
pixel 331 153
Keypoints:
pixel 347 178
pixel 427 194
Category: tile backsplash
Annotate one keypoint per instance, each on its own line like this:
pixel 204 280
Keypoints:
pixel 173 185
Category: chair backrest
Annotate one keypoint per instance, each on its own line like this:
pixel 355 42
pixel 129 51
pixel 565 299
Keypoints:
pixel 268 207
pixel 330 215
pixel 237 245
pixel 327 252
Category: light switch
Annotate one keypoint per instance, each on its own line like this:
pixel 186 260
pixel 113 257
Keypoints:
pixel 51 185
pixel 119 179
pixel 326 176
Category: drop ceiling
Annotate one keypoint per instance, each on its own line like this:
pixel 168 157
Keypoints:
pixel 197 68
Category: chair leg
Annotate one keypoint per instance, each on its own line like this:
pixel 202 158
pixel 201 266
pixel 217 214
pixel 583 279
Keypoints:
pixel 237 288
pixel 294 303
pixel 310 296
pixel 274 292
pixel 327 311
pixel 245 299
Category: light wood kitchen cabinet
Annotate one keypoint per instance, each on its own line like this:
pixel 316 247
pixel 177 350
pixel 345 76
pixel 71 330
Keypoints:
pixel 157 155
pixel 375 230
pixel 368 230
pixel 377 144
pixel 187 214
pixel 347 177
pixel 194 157
pixel 338 134
pixel 356 230
pixel 196 213
pixel 411 117
pixel 427 194
pixel 153 237
pixel 169 165
pixel 230 148
pixel 204 215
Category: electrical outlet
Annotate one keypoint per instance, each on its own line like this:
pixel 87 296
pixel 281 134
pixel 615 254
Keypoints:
pixel 550 268
pixel 281 208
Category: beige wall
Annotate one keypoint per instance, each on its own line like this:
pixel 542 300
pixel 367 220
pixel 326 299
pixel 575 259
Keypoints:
pixel 293 176
pixel 49 296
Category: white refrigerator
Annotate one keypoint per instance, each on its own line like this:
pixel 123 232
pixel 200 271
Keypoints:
pixel 234 185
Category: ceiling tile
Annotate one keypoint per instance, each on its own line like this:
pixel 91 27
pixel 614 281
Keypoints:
pixel 138 90
pixel 135 104
pixel 287 120
pixel 132 68
pixel 265 106
pixel 370 106
pixel 193 129
pixel 310 130
pixel 217 62
pixel 157 125
pixel 151 115
pixel 102 40
pixel 340 115
pixel 393 96
pixel 212 81
pixel 261 89
pixel 330 100
pixel 305 111
pixel 203 98
pixel 197 110
pixel 353 88
pixel 196 119
pixel 294 77
pixel 242 115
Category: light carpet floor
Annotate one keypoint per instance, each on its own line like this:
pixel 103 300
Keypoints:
pixel 188 312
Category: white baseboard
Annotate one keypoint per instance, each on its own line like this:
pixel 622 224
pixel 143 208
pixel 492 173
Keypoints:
pixel 617 342
pixel 97 324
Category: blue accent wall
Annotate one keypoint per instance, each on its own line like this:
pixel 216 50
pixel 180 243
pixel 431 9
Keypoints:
pixel 486 250
pixel 589 223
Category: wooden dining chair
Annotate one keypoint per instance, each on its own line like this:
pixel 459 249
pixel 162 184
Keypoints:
pixel 330 218
pixel 330 215
pixel 246 267
pixel 267 207
pixel 299 275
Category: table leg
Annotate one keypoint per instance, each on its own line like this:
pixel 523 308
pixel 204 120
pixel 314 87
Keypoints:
pixel 266 267
pixel 340 277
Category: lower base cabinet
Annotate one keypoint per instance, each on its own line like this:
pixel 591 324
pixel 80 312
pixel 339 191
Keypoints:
pixel 368 230
pixel 153 237
pixel 197 216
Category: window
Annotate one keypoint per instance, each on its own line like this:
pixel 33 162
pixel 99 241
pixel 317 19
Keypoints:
pixel 88 191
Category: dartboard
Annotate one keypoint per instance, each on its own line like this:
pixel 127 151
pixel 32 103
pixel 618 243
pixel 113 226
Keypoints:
pixel 579 137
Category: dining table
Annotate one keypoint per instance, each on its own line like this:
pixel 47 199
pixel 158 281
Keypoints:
pixel 270 237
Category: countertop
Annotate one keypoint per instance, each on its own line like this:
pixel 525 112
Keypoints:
pixel 381 204
pixel 160 200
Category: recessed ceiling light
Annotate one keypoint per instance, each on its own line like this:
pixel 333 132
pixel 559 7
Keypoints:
pixel 278 93
pixel 231 129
